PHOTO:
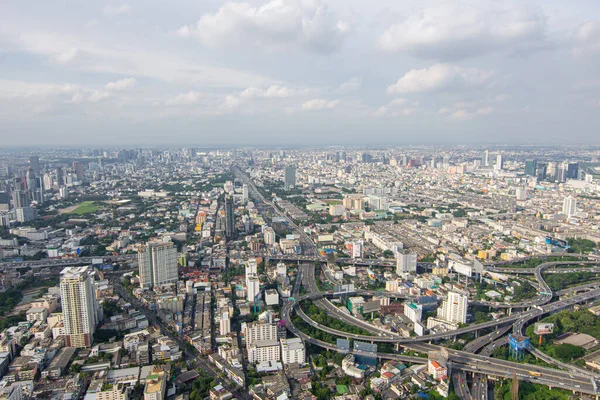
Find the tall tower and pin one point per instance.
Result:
(290, 177)
(80, 309)
(454, 307)
(485, 159)
(229, 217)
(157, 264)
(245, 192)
(569, 206)
(34, 163)
(406, 263)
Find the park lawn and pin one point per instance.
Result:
(85, 208)
(333, 202)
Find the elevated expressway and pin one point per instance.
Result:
(461, 360)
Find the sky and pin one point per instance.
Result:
(298, 72)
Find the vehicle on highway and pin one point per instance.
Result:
(533, 373)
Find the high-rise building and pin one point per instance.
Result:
(259, 331)
(499, 163)
(541, 171)
(225, 324)
(413, 311)
(485, 159)
(572, 170)
(34, 163)
(252, 287)
(530, 167)
(4, 201)
(569, 206)
(290, 177)
(156, 385)
(229, 217)
(292, 351)
(454, 308)
(79, 306)
(406, 263)
(245, 192)
(19, 194)
(157, 264)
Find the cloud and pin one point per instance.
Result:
(274, 91)
(587, 39)
(66, 56)
(439, 77)
(118, 9)
(276, 24)
(457, 32)
(353, 84)
(319, 104)
(121, 84)
(184, 99)
(464, 114)
(397, 107)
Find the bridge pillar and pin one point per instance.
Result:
(510, 311)
(476, 334)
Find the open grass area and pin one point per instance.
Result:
(85, 208)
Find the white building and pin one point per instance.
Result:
(256, 331)
(413, 311)
(252, 287)
(569, 206)
(406, 263)
(269, 236)
(158, 264)
(454, 308)
(225, 324)
(37, 314)
(79, 305)
(292, 351)
(271, 297)
(156, 386)
(264, 351)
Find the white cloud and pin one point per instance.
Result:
(319, 104)
(464, 114)
(397, 107)
(439, 77)
(276, 24)
(66, 56)
(353, 84)
(454, 32)
(118, 9)
(121, 84)
(274, 91)
(184, 99)
(587, 39)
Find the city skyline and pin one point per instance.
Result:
(298, 72)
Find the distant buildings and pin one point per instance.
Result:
(229, 217)
(157, 264)
(80, 309)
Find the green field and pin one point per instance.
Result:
(332, 201)
(85, 207)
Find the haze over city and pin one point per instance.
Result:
(298, 72)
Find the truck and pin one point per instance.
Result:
(533, 373)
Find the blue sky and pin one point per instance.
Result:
(179, 72)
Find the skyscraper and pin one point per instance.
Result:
(499, 162)
(245, 192)
(572, 170)
(158, 264)
(485, 159)
(454, 308)
(80, 309)
(569, 206)
(530, 167)
(229, 217)
(290, 177)
(34, 163)
(19, 195)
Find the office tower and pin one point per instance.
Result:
(454, 308)
(157, 264)
(34, 163)
(225, 324)
(572, 170)
(19, 195)
(59, 176)
(79, 306)
(229, 217)
(292, 351)
(499, 162)
(245, 192)
(569, 206)
(4, 201)
(259, 331)
(406, 263)
(485, 159)
(562, 173)
(530, 167)
(541, 171)
(25, 214)
(78, 169)
(551, 171)
(413, 311)
(290, 177)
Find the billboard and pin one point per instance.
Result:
(556, 242)
(543, 328)
(462, 269)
